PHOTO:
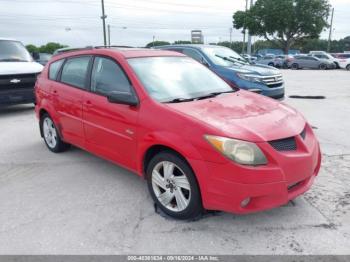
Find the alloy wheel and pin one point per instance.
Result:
(171, 186)
(50, 134)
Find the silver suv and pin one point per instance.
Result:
(306, 61)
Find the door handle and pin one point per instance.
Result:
(88, 104)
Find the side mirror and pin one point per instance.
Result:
(123, 98)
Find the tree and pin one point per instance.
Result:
(51, 47)
(32, 48)
(284, 21)
(182, 42)
(157, 43)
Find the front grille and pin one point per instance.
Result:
(273, 81)
(19, 81)
(286, 144)
(303, 133)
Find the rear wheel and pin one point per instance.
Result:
(173, 186)
(271, 64)
(295, 66)
(323, 66)
(51, 136)
(348, 67)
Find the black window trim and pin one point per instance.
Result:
(132, 89)
(58, 72)
(86, 86)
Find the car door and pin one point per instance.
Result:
(313, 62)
(68, 94)
(110, 128)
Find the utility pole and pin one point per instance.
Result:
(244, 30)
(109, 34)
(153, 39)
(330, 32)
(249, 46)
(231, 37)
(103, 17)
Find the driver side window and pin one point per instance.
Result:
(108, 78)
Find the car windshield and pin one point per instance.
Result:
(224, 56)
(13, 51)
(177, 79)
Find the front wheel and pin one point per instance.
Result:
(348, 67)
(323, 66)
(173, 186)
(295, 66)
(51, 135)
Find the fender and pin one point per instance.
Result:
(168, 139)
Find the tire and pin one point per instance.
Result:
(51, 136)
(348, 67)
(294, 66)
(271, 64)
(176, 191)
(322, 66)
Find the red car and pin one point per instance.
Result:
(199, 142)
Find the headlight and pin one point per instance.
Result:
(250, 78)
(241, 152)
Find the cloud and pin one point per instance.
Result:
(41, 21)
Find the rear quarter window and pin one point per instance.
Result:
(54, 69)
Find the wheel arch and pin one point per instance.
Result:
(155, 149)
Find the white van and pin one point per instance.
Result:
(18, 73)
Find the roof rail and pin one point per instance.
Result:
(71, 49)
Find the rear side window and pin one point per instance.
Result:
(108, 78)
(54, 69)
(75, 70)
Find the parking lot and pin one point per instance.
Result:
(76, 203)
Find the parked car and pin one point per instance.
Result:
(235, 69)
(199, 143)
(325, 56)
(341, 55)
(311, 62)
(344, 63)
(42, 58)
(18, 73)
(249, 58)
(268, 59)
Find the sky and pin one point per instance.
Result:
(133, 22)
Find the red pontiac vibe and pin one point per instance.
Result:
(198, 142)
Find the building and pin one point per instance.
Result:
(197, 37)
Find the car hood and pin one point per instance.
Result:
(13, 68)
(256, 69)
(246, 116)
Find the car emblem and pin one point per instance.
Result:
(15, 81)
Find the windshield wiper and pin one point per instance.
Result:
(179, 100)
(213, 94)
(231, 59)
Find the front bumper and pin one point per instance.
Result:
(288, 175)
(273, 92)
(17, 96)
